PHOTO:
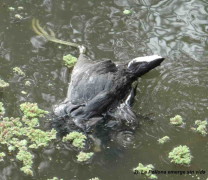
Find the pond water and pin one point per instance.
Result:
(176, 30)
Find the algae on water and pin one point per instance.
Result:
(3, 84)
(145, 170)
(21, 135)
(163, 140)
(77, 138)
(27, 83)
(2, 155)
(69, 60)
(19, 71)
(201, 127)
(83, 156)
(181, 155)
(2, 109)
(95, 178)
(177, 120)
(127, 11)
(31, 110)
(55, 178)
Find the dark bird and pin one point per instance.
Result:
(101, 89)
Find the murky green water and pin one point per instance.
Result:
(177, 30)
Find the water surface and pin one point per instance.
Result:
(176, 30)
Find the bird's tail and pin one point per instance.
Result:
(52, 37)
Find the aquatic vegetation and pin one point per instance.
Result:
(145, 170)
(31, 110)
(23, 92)
(40, 138)
(181, 155)
(69, 60)
(83, 156)
(2, 155)
(77, 138)
(163, 140)
(201, 127)
(95, 178)
(18, 16)
(177, 120)
(3, 84)
(2, 109)
(11, 8)
(55, 178)
(17, 69)
(21, 135)
(27, 83)
(27, 159)
(127, 11)
(20, 8)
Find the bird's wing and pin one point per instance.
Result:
(94, 80)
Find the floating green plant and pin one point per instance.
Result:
(2, 109)
(181, 155)
(69, 60)
(163, 140)
(3, 84)
(177, 120)
(20, 8)
(83, 156)
(23, 92)
(201, 127)
(27, 158)
(145, 170)
(2, 155)
(55, 178)
(77, 138)
(40, 138)
(11, 8)
(18, 70)
(31, 110)
(127, 11)
(21, 135)
(18, 16)
(27, 83)
(95, 178)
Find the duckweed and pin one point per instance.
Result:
(31, 110)
(201, 127)
(11, 8)
(146, 170)
(40, 138)
(27, 159)
(17, 69)
(21, 134)
(177, 120)
(23, 92)
(2, 109)
(55, 178)
(18, 16)
(3, 84)
(83, 156)
(163, 140)
(127, 11)
(2, 155)
(20, 8)
(77, 138)
(95, 178)
(27, 83)
(181, 155)
(69, 60)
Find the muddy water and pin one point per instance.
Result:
(176, 30)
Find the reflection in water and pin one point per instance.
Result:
(175, 29)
